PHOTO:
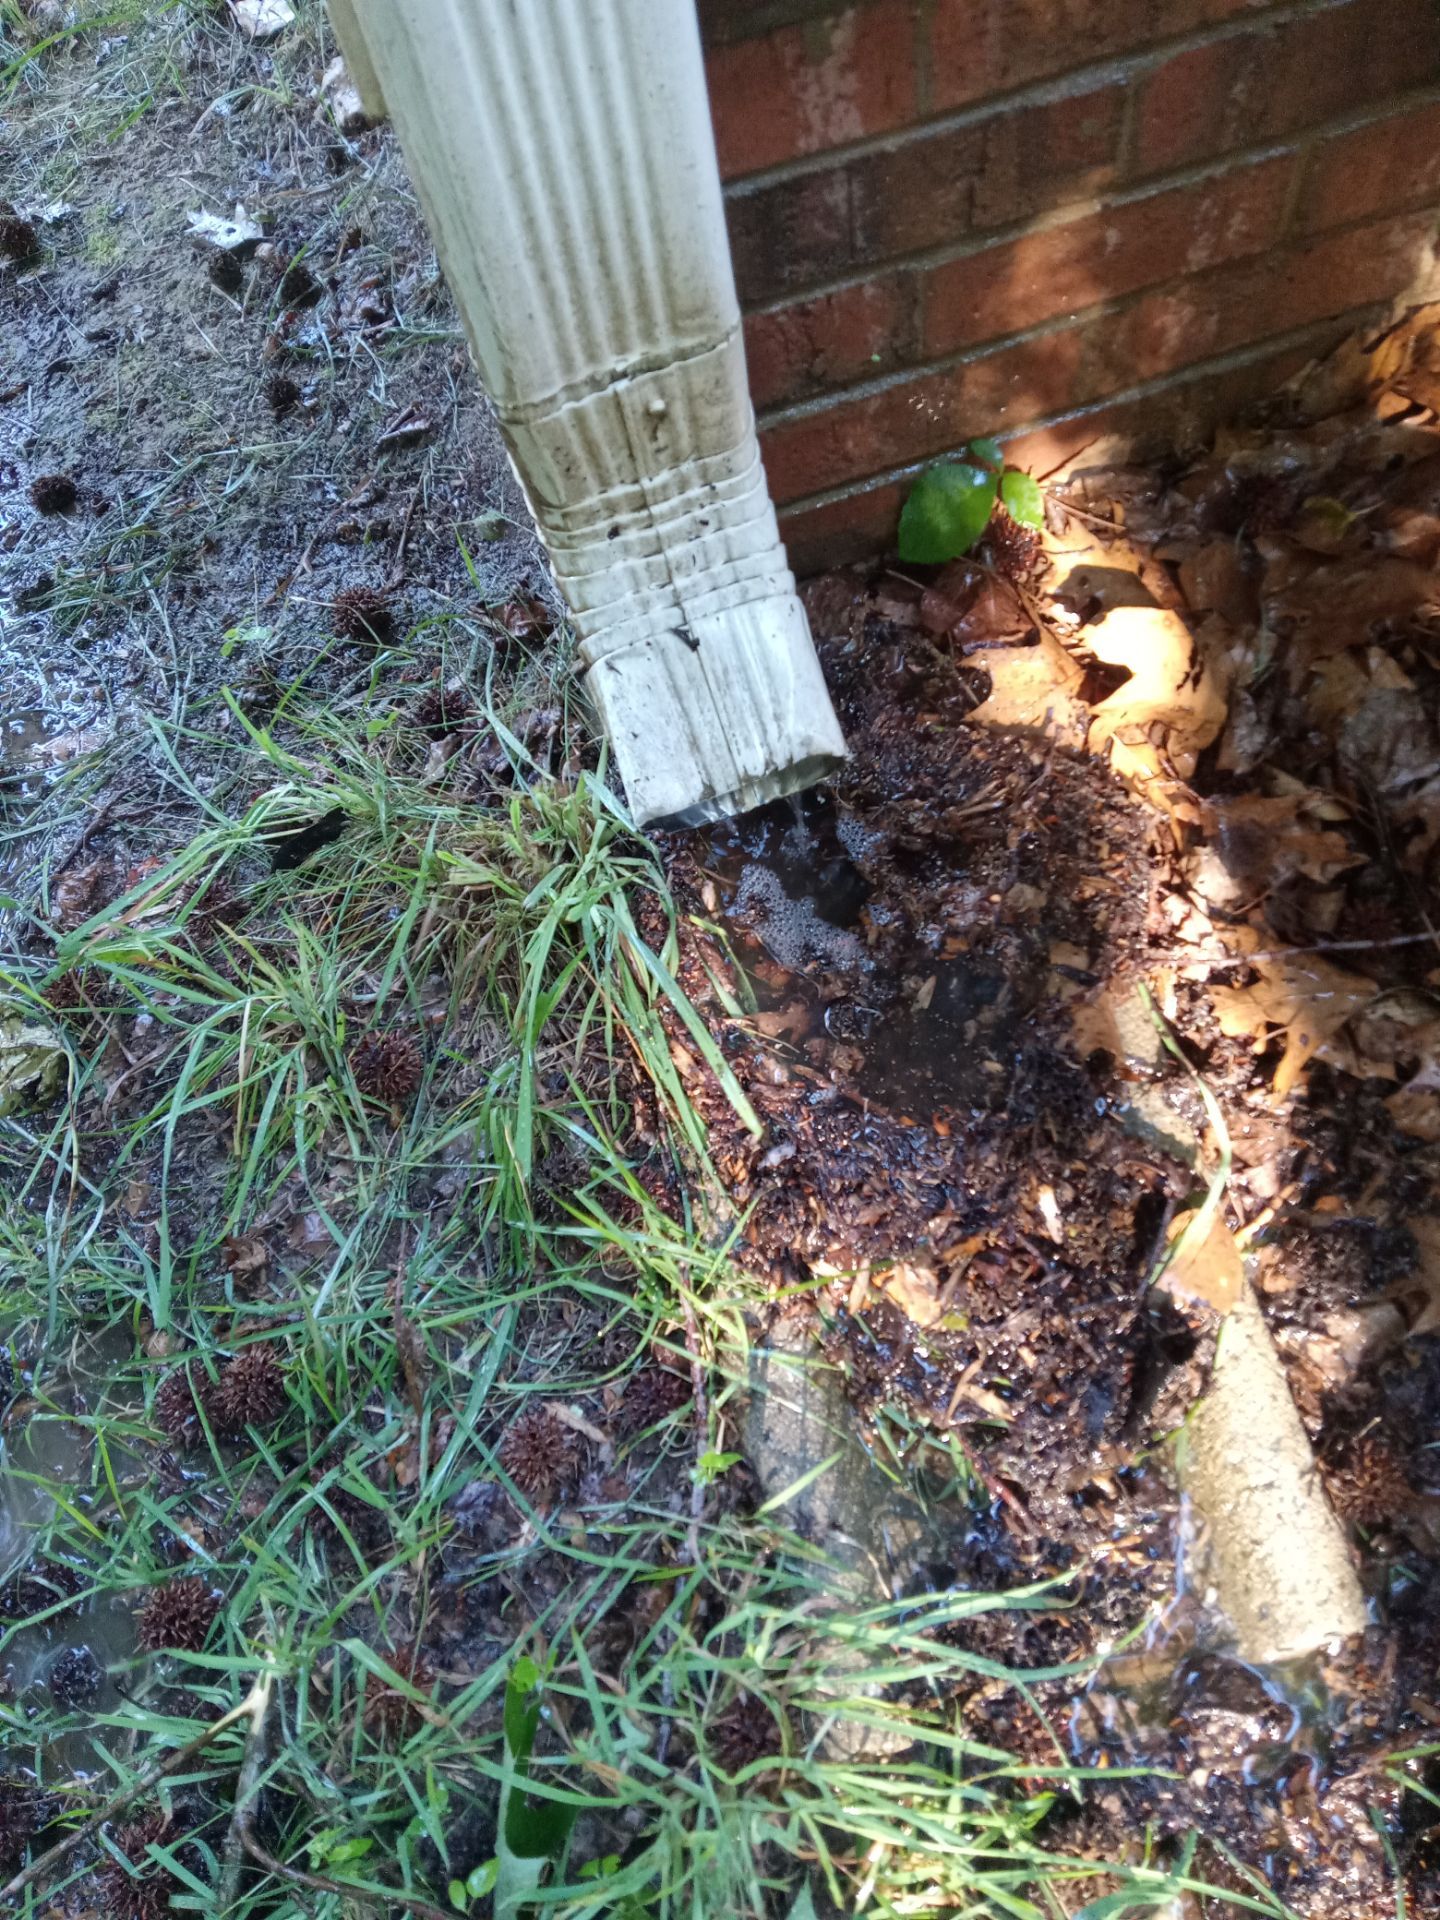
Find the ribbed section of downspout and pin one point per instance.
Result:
(563, 151)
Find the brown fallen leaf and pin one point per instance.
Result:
(1032, 690)
(916, 1291)
(1206, 1264)
(1261, 840)
(1171, 705)
(1308, 999)
(244, 1254)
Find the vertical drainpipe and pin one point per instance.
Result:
(563, 152)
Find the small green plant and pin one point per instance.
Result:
(951, 503)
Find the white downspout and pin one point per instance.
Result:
(563, 152)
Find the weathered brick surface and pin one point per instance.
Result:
(955, 216)
(922, 191)
(817, 84)
(832, 340)
(1391, 164)
(1100, 256)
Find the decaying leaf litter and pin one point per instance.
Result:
(1174, 775)
(358, 1278)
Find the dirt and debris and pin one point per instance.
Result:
(1194, 751)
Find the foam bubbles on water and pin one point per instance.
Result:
(792, 929)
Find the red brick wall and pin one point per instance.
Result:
(1057, 220)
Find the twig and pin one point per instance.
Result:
(234, 1853)
(1197, 955)
(396, 576)
(386, 1897)
(117, 1803)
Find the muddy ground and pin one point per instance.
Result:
(976, 1146)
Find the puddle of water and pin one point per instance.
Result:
(47, 1453)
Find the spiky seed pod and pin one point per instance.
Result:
(23, 1811)
(1367, 1485)
(282, 394)
(652, 1394)
(298, 285)
(141, 1891)
(177, 1617)
(389, 1713)
(742, 1733)
(387, 1066)
(18, 238)
(1011, 549)
(53, 492)
(76, 1679)
(251, 1392)
(37, 1588)
(363, 613)
(541, 1454)
(74, 992)
(177, 1408)
(226, 272)
(442, 710)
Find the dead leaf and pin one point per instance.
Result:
(1033, 690)
(1262, 840)
(1308, 1000)
(1206, 1265)
(262, 19)
(244, 1254)
(1170, 705)
(404, 429)
(916, 1291)
(81, 892)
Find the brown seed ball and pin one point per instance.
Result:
(23, 1811)
(282, 394)
(541, 1454)
(363, 614)
(53, 492)
(1013, 550)
(177, 1410)
(298, 286)
(76, 1678)
(387, 1066)
(652, 1394)
(251, 1392)
(744, 1732)
(442, 710)
(1367, 1485)
(177, 1617)
(390, 1714)
(18, 238)
(226, 272)
(141, 1891)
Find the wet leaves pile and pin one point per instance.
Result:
(1192, 749)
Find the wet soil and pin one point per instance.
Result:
(971, 1192)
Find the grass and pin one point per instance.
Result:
(424, 1270)
(216, 1180)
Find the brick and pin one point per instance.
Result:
(818, 84)
(932, 189)
(982, 47)
(789, 235)
(914, 419)
(854, 334)
(1240, 304)
(927, 189)
(1383, 168)
(1102, 256)
(842, 530)
(1278, 80)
